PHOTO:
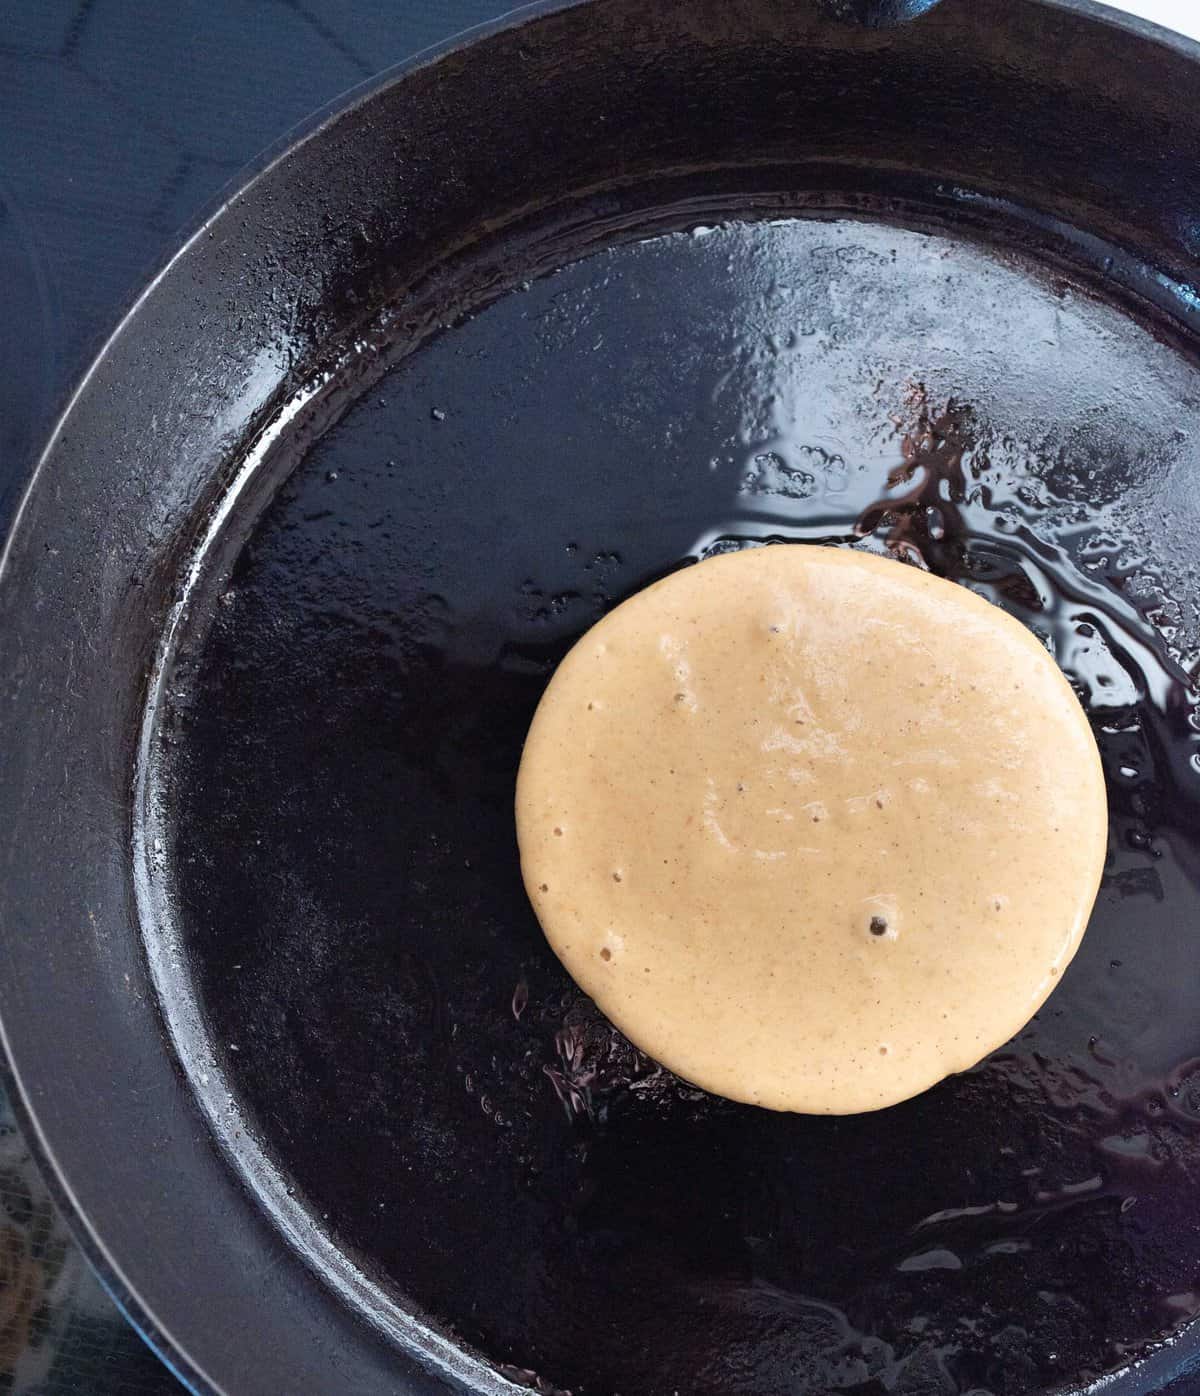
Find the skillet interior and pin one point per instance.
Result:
(331, 752)
(333, 816)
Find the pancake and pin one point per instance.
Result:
(813, 827)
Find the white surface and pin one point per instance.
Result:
(1183, 15)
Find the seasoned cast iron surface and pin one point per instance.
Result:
(335, 781)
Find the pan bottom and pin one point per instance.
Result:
(354, 978)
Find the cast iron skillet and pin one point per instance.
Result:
(530, 321)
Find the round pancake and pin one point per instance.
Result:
(813, 827)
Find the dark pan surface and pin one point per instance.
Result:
(309, 539)
(340, 752)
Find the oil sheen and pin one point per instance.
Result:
(338, 760)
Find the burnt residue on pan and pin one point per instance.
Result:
(336, 770)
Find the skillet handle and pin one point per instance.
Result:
(877, 14)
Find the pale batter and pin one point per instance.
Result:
(814, 828)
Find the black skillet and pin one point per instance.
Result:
(525, 324)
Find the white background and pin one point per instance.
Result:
(1183, 15)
